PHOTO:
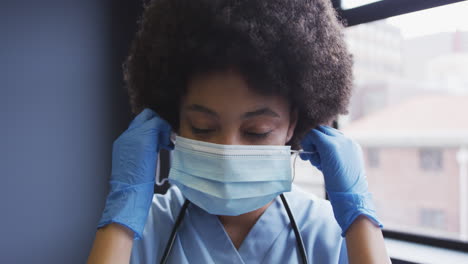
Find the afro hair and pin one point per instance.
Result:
(292, 48)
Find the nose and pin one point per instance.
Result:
(228, 138)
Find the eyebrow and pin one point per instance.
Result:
(262, 111)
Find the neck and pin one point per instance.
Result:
(239, 226)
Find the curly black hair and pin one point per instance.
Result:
(292, 48)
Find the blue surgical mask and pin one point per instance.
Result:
(230, 179)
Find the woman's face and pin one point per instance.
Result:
(220, 108)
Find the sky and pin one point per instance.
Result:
(447, 18)
(348, 4)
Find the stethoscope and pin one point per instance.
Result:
(181, 215)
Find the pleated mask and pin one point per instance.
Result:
(230, 179)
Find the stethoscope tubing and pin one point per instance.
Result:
(170, 243)
(300, 242)
(181, 215)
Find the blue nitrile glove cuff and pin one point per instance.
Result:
(348, 206)
(128, 205)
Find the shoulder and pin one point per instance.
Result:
(164, 209)
(309, 205)
(168, 204)
(320, 231)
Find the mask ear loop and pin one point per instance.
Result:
(296, 153)
(159, 182)
(294, 166)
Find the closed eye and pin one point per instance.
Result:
(196, 130)
(257, 135)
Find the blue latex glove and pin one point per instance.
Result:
(134, 158)
(341, 161)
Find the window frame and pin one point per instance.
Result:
(384, 9)
(377, 11)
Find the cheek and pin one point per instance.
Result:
(184, 129)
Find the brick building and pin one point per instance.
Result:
(416, 156)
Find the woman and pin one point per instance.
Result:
(239, 82)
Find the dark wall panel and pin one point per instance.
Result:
(62, 104)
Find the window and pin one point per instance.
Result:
(433, 218)
(430, 159)
(373, 159)
(348, 4)
(408, 112)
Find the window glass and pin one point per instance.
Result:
(433, 218)
(348, 4)
(307, 177)
(409, 112)
(372, 155)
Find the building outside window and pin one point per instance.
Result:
(373, 159)
(433, 218)
(409, 114)
(411, 105)
(431, 159)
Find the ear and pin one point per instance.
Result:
(292, 124)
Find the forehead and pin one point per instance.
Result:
(228, 93)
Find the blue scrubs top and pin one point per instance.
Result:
(202, 239)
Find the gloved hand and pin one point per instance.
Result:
(341, 161)
(134, 158)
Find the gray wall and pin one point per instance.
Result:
(62, 104)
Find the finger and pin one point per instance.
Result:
(314, 140)
(165, 140)
(156, 123)
(142, 117)
(313, 158)
(162, 131)
(329, 130)
(304, 156)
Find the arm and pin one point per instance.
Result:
(113, 244)
(134, 157)
(365, 243)
(341, 161)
